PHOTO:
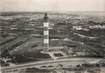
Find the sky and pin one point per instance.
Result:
(52, 5)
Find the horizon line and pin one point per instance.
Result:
(55, 11)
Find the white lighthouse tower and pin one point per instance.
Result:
(46, 33)
(52, 51)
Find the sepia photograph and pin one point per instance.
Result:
(52, 36)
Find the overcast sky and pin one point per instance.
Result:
(52, 5)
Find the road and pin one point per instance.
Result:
(46, 63)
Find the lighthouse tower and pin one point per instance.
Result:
(52, 51)
(46, 33)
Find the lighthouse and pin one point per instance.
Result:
(46, 32)
(54, 52)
